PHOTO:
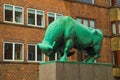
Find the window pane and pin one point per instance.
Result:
(112, 3)
(58, 15)
(91, 1)
(79, 20)
(31, 52)
(8, 13)
(85, 22)
(85, 0)
(8, 49)
(40, 12)
(18, 14)
(39, 54)
(51, 17)
(8, 7)
(58, 56)
(40, 18)
(113, 28)
(92, 23)
(31, 17)
(51, 14)
(118, 2)
(52, 58)
(116, 56)
(119, 26)
(18, 51)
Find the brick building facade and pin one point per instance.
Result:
(23, 24)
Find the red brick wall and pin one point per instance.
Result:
(101, 15)
(27, 34)
(105, 3)
(57, 6)
(106, 54)
(21, 34)
(19, 71)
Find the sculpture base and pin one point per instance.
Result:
(56, 70)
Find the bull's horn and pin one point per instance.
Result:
(44, 46)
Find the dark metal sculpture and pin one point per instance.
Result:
(65, 33)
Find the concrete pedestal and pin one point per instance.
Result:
(56, 70)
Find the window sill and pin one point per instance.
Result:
(13, 60)
(35, 26)
(115, 35)
(14, 23)
(35, 61)
(18, 62)
(115, 6)
(22, 25)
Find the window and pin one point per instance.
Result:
(53, 16)
(35, 17)
(92, 23)
(13, 51)
(13, 14)
(56, 57)
(87, 22)
(34, 53)
(87, 1)
(115, 2)
(115, 27)
(116, 57)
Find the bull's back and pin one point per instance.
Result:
(83, 35)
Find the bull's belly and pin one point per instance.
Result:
(82, 45)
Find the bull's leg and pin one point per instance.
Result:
(68, 47)
(97, 54)
(90, 53)
(86, 60)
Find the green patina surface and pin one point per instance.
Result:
(74, 62)
(65, 33)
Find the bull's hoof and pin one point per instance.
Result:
(86, 59)
(63, 59)
(90, 61)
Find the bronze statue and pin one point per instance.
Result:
(65, 33)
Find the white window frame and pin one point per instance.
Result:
(114, 32)
(86, 2)
(55, 16)
(110, 3)
(36, 18)
(13, 53)
(55, 57)
(81, 20)
(93, 1)
(14, 14)
(43, 55)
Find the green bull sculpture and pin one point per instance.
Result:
(65, 33)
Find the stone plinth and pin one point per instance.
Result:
(56, 70)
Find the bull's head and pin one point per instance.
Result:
(46, 48)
